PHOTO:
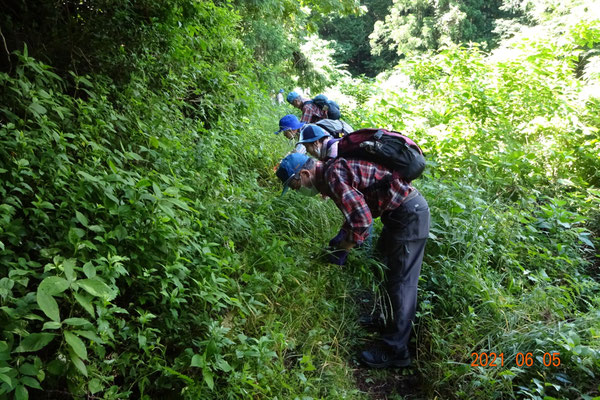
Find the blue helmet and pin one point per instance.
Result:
(312, 133)
(289, 121)
(289, 167)
(292, 96)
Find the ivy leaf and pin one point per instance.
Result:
(76, 344)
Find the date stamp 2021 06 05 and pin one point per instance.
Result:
(490, 359)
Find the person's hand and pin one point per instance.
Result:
(338, 257)
(335, 242)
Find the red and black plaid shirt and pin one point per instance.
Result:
(311, 113)
(343, 180)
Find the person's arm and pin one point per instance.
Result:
(351, 203)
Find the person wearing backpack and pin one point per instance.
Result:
(290, 126)
(335, 127)
(363, 190)
(310, 112)
(318, 143)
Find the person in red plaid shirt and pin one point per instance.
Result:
(310, 112)
(364, 190)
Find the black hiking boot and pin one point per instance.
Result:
(383, 356)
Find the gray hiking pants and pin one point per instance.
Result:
(402, 244)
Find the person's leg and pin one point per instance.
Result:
(408, 229)
(406, 232)
(402, 277)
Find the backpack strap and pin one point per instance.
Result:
(331, 142)
(385, 182)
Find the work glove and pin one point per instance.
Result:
(338, 256)
(335, 242)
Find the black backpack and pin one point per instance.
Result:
(391, 149)
(330, 106)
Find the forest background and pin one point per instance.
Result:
(145, 251)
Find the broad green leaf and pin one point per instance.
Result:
(6, 379)
(154, 141)
(88, 177)
(76, 344)
(51, 325)
(81, 218)
(77, 321)
(89, 269)
(78, 364)
(28, 369)
(95, 385)
(68, 266)
(34, 342)
(85, 81)
(21, 393)
(37, 108)
(75, 234)
(31, 382)
(143, 183)
(96, 287)
(112, 166)
(198, 361)
(53, 285)
(48, 305)
(85, 302)
(89, 335)
(208, 378)
(586, 241)
(96, 228)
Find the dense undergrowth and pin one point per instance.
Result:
(145, 251)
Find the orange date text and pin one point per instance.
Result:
(485, 359)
